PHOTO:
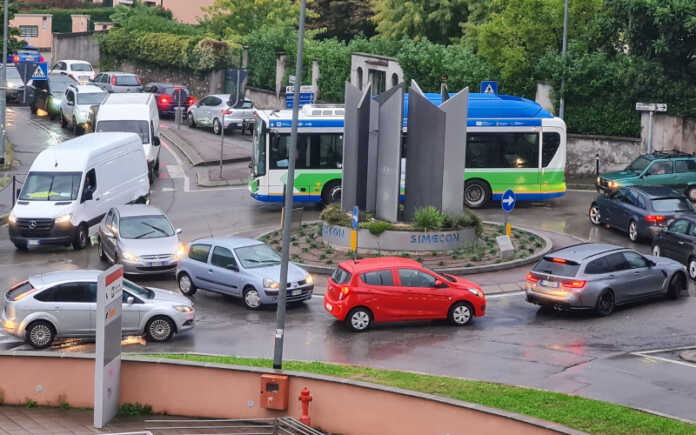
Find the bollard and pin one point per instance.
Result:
(597, 164)
(305, 398)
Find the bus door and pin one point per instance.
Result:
(552, 162)
(278, 164)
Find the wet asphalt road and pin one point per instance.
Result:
(515, 343)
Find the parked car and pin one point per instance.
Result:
(48, 94)
(677, 241)
(638, 211)
(79, 70)
(389, 289)
(245, 268)
(78, 105)
(169, 97)
(63, 304)
(71, 185)
(115, 82)
(661, 168)
(136, 113)
(25, 54)
(209, 111)
(141, 238)
(595, 276)
(14, 84)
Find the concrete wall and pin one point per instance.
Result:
(83, 46)
(216, 391)
(614, 153)
(44, 23)
(264, 99)
(669, 132)
(362, 63)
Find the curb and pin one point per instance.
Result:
(203, 180)
(326, 270)
(688, 355)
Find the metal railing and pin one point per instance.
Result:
(253, 426)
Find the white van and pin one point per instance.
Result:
(70, 186)
(136, 113)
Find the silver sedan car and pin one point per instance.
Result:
(210, 111)
(63, 304)
(599, 277)
(141, 238)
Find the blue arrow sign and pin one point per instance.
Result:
(507, 201)
(356, 213)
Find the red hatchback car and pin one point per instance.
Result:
(390, 289)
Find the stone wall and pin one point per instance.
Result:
(265, 99)
(614, 153)
(83, 46)
(199, 84)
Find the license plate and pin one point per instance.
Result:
(155, 263)
(295, 292)
(32, 243)
(550, 284)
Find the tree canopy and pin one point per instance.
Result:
(435, 20)
(234, 19)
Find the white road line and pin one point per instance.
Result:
(673, 349)
(504, 295)
(168, 189)
(187, 182)
(659, 358)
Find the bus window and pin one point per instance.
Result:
(502, 150)
(549, 145)
(259, 144)
(314, 151)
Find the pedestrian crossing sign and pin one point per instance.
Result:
(40, 71)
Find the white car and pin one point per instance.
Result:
(79, 70)
(76, 107)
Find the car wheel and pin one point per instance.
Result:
(692, 268)
(160, 329)
(63, 122)
(331, 193)
(691, 193)
(186, 285)
(100, 250)
(605, 303)
(477, 193)
(251, 298)
(656, 252)
(633, 231)
(191, 121)
(460, 314)
(216, 127)
(51, 115)
(595, 217)
(81, 237)
(676, 285)
(40, 334)
(359, 319)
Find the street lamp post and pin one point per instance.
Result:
(564, 50)
(287, 217)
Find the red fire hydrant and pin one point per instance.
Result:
(305, 398)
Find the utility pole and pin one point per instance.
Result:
(290, 187)
(564, 50)
(3, 92)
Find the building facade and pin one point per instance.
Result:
(36, 29)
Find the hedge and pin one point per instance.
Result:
(62, 21)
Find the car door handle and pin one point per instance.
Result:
(680, 242)
(210, 270)
(637, 272)
(612, 276)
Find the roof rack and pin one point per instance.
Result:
(672, 153)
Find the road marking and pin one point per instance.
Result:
(659, 358)
(673, 349)
(168, 189)
(175, 171)
(504, 295)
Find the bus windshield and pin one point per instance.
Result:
(314, 151)
(259, 149)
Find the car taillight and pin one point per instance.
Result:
(191, 101)
(15, 58)
(226, 112)
(655, 219)
(41, 59)
(344, 293)
(532, 278)
(140, 82)
(164, 100)
(113, 81)
(574, 284)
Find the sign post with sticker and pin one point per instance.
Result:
(107, 364)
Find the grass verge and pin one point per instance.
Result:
(579, 413)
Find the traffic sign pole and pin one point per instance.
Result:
(507, 203)
(354, 233)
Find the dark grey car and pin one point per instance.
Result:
(598, 277)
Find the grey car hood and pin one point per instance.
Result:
(157, 246)
(665, 262)
(295, 273)
(162, 295)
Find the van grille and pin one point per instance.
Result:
(29, 227)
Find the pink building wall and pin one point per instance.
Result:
(44, 25)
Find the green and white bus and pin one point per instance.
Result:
(512, 143)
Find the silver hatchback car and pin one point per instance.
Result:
(599, 277)
(63, 304)
(141, 238)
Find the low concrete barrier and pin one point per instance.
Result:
(198, 389)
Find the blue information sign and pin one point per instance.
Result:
(356, 213)
(508, 200)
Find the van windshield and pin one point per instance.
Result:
(51, 186)
(126, 126)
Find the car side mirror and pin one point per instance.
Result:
(440, 284)
(179, 231)
(651, 263)
(130, 300)
(232, 267)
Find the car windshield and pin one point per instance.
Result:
(51, 186)
(140, 127)
(257, 256)
(671, 204)
(126, 81)
(638, 165)
(91, 98)
(80, 67)
(136, 290)
(145, 227)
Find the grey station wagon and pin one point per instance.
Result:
(599, 276)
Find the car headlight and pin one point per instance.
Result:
(127, 255)
(180, 251)
(12, 218)
(309, 279)
(55, 101)
(599, 179)
(63, 219)
(11, 85)
(183, 308)
(270, 283)
(614, 184)
(474, 291)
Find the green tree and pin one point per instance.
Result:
(234, 19)
(436, 20)
(343, 19)
(14, 42)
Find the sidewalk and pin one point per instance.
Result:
(202, 148)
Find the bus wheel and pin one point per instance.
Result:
(477, 193)
(331, 193)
